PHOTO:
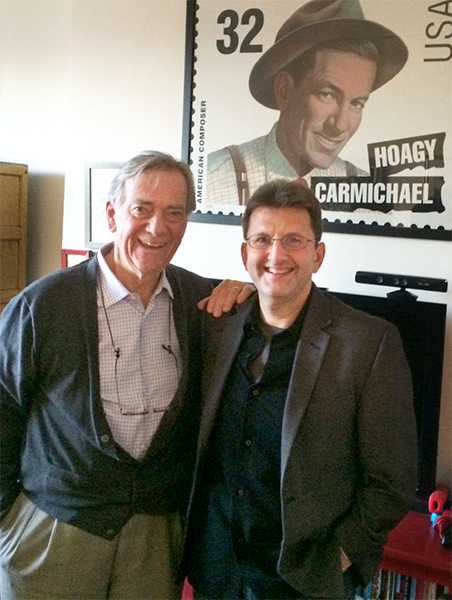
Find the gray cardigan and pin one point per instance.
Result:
(55, 442)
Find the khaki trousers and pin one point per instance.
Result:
(44, 559)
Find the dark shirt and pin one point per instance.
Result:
(239, 513)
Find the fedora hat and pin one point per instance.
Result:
(320, 21)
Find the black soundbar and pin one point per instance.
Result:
(430, 284)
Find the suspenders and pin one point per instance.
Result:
(241, 175)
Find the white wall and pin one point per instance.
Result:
(99, 80)
(84, 81)
(34, 55)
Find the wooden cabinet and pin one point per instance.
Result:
(13, 229)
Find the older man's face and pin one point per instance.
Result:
(149, 225)
(323, 111)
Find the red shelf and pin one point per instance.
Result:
(414, 549)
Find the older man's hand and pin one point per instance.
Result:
(226, 295)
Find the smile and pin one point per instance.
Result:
(278, 270)
(152, 246)
(328, 142)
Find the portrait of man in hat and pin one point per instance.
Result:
(326, 60)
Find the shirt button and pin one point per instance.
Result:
(110, 532)
(105, 438)
(241, 492)
(255, 392)
(248, 443)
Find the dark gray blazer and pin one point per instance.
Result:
(348, 456)
(55, 442)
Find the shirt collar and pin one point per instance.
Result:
(277, 163)
(253, 319)
(279, 166)
(114, 290)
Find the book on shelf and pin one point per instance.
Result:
(387, 585)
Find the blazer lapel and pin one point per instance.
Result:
(308, 360)
(223, 340)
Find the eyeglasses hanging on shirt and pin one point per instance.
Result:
(167, 347)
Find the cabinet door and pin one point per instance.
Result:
(13, 229)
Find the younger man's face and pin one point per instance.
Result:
(280, 275)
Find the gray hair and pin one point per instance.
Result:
(151, 160)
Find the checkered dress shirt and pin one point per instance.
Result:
(264, 162)
(147, 375)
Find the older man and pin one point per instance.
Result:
(99, 369)
(307, 449)
(326, 61)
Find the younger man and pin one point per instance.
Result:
(307, 450)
